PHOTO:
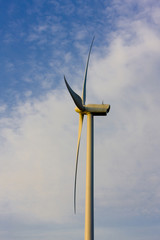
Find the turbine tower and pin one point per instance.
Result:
(90, 110)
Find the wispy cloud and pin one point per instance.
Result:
(128, 77)
(32, 136)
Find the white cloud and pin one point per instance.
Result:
(36, 176)
(127, 77)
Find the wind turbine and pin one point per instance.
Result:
(90, 110)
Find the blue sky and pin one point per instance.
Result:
(40, 42)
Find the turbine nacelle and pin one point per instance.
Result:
(95, 109)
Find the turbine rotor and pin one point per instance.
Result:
(82, 109)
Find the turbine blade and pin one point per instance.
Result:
(85, 77)
(76, 98)
(78, 145)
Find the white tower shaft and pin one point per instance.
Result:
(89, 207)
